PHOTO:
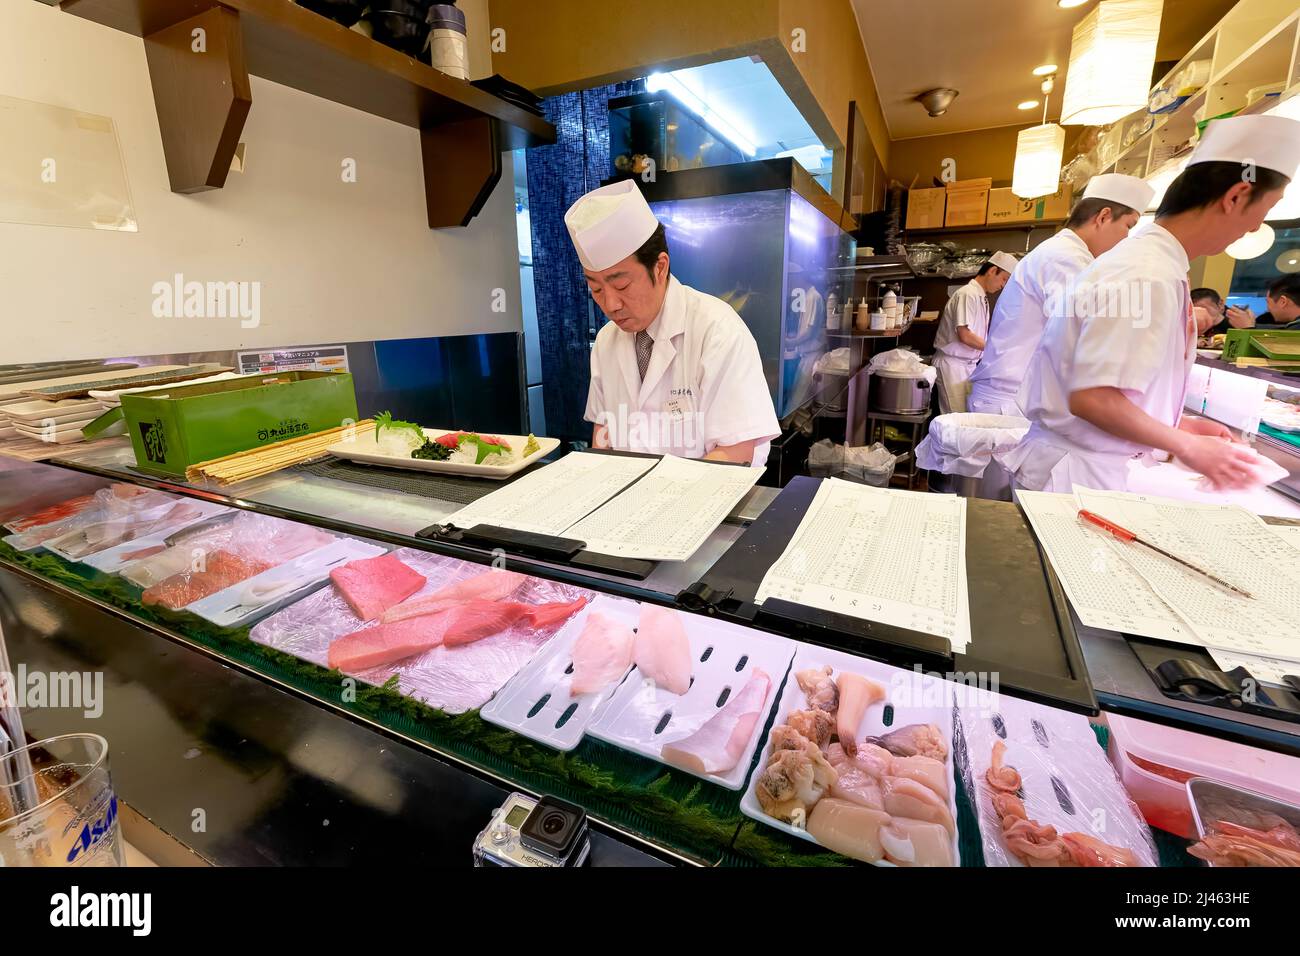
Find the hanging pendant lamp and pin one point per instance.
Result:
(1112, 56)
(1039, 150)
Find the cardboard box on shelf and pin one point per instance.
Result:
(1006, 206)
(960, 185)
(967, 207)
(925, 208)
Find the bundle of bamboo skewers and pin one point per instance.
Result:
(256, 462)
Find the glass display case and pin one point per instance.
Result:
(655, 126)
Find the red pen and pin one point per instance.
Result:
(1125, 535)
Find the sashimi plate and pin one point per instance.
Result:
(913, 697)
(450, 679)
(536, 702)
(364, 450)
(643, 717)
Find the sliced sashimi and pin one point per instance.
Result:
(372, 585)
(601, 654)
(662, 652)
(718, 745)
(914, 843)
(876, 761)
(856, 785)
(491, 585)
(848, 828)
(220, 571)
(925, 770)
(542, 616)
(383, 644)
(856, 694)
(475, 620)
(907, 798)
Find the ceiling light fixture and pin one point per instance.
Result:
(1253, 244)
(1027, 105)
(1047, 69)
(1039, 150)
(1112, 54)
(937, 101)
(1070, 4)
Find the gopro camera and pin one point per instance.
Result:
(528, 832)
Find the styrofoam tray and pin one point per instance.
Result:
(77, 417)
(35, 411)
(900, 686)
(545, 680)
(302, 575)
(724, 655)
(1067, 781)
(64, 434)
(113, 559)
(356, 450)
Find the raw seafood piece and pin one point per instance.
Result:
(856, 694)
(856, 785)
(1089, 851)
(372, 585)
(602, 654)
(914, 843)
(819, 687)
(542, 616)
(382, 644)
(221, 570)
(924, 770)
(792, 782)
(57, 512)
(1034, 844)
(785, 737)
(923, 739)
(102, 535)
(718, 745)
(816, 725)
(876, 761)
(1008, 805)
(999, 776)
(475, 620)
(1232, 845)
(1281, 834)
(848, 828)
(490, 585)
(907, 798)
(662, 652)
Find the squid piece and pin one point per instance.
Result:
(1086, 850)
(856, 695)
(999, 776)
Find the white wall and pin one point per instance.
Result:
(336, 261)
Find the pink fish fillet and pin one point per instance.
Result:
(662, 651)
(372, 585)
(491, 585)
(717, 746)
(455, 626)
(601, 654)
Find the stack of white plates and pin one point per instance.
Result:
(58, 422)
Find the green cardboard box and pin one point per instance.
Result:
(182, 426)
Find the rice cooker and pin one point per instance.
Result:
(898, 392)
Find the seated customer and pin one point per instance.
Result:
(1215, 319)
(1283, 303)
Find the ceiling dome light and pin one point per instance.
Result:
(1289, 261)
(1112, 55)
(1253, 244)
(1047, 69)
(1070, 4)
(937, 101)
(1027, 105)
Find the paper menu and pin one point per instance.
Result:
(1103, 588)
(669, 513)
(552, 499)
(1268, 669)
(1227, 540)
(896, 557)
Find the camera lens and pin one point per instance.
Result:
(553, 823)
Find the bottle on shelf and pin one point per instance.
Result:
(889, 306)
(863, 321)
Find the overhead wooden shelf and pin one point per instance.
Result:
(988, 227)
(464, 129)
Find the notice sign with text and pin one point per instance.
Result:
(321, 358)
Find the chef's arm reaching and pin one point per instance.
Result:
(1199, 443)
(742, 452)
(969, 338)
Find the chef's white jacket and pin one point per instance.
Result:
(1127, 325)
(1039, 284)
(955, 360)
(704, 386)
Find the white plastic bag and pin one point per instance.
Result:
(963, 443)
(903, 361)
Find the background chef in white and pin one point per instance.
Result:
(674, 371)
(959, 343)
(1111, 205)
(1108, 380)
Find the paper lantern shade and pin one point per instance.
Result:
(1112, 56)
(1038, 161)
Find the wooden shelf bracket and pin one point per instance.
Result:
(462, 165)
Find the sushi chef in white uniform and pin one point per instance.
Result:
(1109, 377)
(1111, 206)
(674, 371)
(959, 343)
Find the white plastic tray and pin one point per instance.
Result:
(64, 434)
(545, 680)
(632, 717)
(356, 450)
(902, 688)
(34, 411)
(226, 608)
(113, 559)
(205, 510)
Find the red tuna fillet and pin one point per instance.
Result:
(372, 585)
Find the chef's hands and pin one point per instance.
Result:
(1227, 465)
(1203, 426)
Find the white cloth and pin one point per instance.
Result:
(1037, 285)
(1270, 142)
(966, 444)
(1125, 190)
(1128, 325)
(954, 383)
(609, 224)
(704, 387)
(968, 307)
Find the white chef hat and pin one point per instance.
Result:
(1004, 261)
(1125, 190)
(609, 224)
(1269, 142)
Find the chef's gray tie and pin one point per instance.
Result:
(644, 345)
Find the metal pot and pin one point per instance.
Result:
(898, 393)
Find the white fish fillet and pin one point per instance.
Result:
(602, 654)
(717, 746)
(662, 652)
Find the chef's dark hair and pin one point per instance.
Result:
(649, 252)
(1086, 210)
(988, 267)
(1201, 184)
(1288, 286)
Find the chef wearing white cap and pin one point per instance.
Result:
(1109, 377)
(959, 343)
(675, 371)
(1111, 205)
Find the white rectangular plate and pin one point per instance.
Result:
(113, 559)
(35, 410)
(900, 685)
(631, 718)
(356, 450)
